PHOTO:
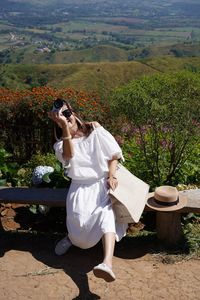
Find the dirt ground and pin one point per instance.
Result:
(30, 269)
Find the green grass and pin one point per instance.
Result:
(188, 248)
(169, 64)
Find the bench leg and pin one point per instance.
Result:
(169, 230)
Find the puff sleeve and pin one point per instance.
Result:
(108, 144)
(58, 148)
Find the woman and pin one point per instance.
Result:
(91, 154)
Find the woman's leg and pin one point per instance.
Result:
(108, 240)
(104, 270)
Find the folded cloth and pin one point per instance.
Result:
(105, 272)
(129, 198)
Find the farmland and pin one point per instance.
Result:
(31, 32)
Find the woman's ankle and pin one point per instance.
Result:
(108, 263)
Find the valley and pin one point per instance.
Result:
(96, 30)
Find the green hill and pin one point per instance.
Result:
(100, 53)
(101, 77)
(95, 54)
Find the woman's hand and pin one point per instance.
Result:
(112, 182)
(58, 118)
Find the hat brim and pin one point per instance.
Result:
(156, 206)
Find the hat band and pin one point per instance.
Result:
(167, 203)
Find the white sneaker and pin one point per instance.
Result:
(105, 272)
(63, 246)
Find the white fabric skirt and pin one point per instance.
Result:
(90, 214)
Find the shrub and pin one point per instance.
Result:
(39, 159)
(161, 122)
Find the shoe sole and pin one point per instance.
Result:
(104, 275)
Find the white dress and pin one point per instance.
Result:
(89, 210)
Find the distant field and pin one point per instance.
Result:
(85, 34)
(99, 30)
(68, 31)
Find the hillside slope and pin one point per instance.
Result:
(101, 77)
(87, 76)
(99, 53)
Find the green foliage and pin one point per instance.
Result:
(190, 168)
(162, 112)
(40, 159)
(30, 130)
(57, 179)
(192, 234)
(8, 169)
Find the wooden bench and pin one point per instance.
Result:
(168, 224)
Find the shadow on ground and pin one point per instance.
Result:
(38, 235)
(77, 263)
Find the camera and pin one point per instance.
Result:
(58, 104)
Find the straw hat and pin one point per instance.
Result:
(167, 198)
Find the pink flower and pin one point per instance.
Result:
(163, 144)
(119, 139)
(138, 141)
(126, 128)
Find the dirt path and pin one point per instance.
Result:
(30, 269)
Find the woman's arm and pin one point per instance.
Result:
(68, 150)
(112, 180)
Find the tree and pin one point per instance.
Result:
(163, 117)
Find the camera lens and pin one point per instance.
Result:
(67, 113)
(58, 103)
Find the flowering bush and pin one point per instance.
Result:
(25, 127)
(39, 100)
(44, 170)
(39, 172)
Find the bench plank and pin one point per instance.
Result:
(57, 197)
(193, 204)
(45, 196)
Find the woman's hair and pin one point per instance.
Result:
(85, 127)
(57, 132)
